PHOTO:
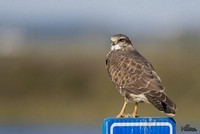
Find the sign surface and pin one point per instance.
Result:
(146, 125)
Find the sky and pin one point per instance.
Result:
(129, 16)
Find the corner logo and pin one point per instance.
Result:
(187, 127)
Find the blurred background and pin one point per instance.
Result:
(52, 60)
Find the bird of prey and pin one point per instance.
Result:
(135, 78)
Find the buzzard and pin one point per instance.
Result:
(135, 78)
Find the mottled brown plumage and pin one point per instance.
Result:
(135, 77)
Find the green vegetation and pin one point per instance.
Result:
(66, 83)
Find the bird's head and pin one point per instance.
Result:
(120, 41)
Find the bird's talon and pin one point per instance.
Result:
(135, 116)
(122, 116)
(129, 115)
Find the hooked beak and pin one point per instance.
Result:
(113, 41)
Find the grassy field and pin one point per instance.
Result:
(70, 83)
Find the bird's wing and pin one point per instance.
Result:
(133, 73)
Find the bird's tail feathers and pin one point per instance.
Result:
(161, 102)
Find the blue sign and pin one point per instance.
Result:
(146, 125)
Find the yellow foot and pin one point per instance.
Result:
(134, 115)
(121, 115)
(122, 112)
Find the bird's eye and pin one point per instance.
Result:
(121, 40)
